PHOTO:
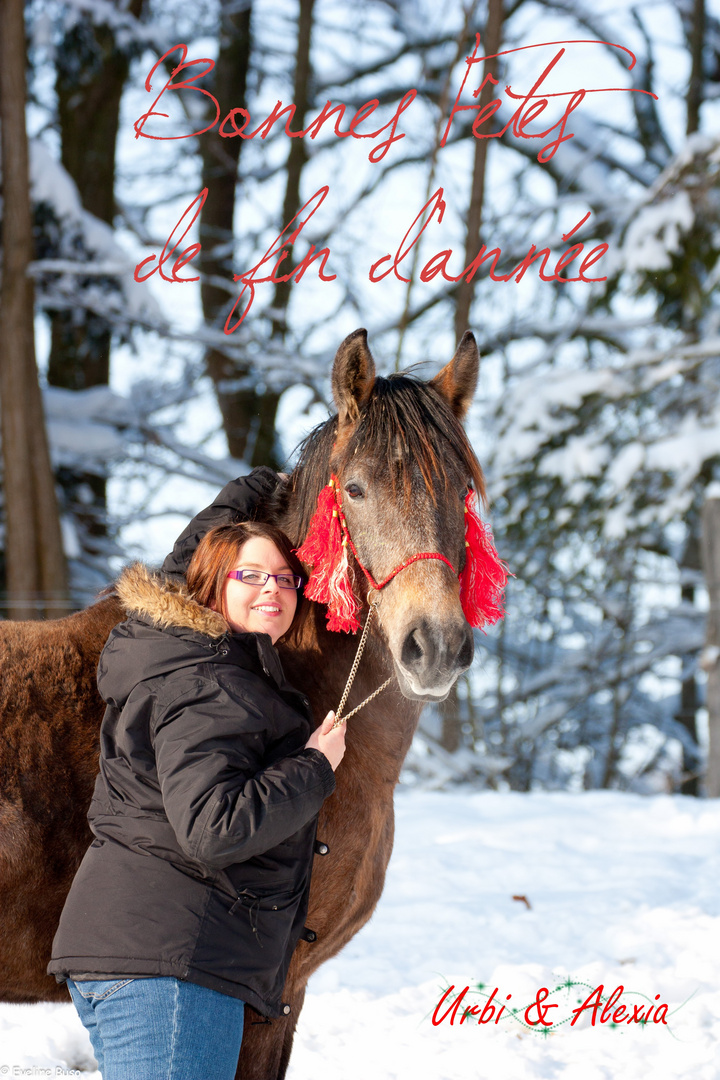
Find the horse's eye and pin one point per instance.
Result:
(354, 491)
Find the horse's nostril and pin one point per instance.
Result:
(467, 650)
(412, 651)
(436, 653)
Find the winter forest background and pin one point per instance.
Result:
(598, 415)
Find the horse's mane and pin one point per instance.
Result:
(405, 425)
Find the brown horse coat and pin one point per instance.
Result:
(404, 463)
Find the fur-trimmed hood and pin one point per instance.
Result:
(167, 631)
(156, 598)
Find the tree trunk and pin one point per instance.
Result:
(691, 558)
(220, 161)
(710, 551)
(687, 714)
(451, 733)
(36, 574)
(91, 72)
(696, 40)
(466, 289)
(297, 155)
(248, 412)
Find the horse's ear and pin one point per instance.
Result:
(353, 376)
(458, 379)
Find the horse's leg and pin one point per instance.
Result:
(30, 906)
(265, 1051)
(261, 1047)
(297, 1001)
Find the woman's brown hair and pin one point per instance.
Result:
(216, 555)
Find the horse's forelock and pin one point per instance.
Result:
(406, 423)
(403, 413)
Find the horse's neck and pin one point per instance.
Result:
(321, 660)
(319, 664)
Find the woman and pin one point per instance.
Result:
(192, 896)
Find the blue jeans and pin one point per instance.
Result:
(160, 1028)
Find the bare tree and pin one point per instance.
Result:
(220, 170)
(491, 46)
(711, 656)
(248, 411)
(36, 575)
(696, 39)
(91, 70)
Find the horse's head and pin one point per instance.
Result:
(404, 465)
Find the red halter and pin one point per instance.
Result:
(325, 549)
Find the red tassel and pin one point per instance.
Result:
(483, 579)
(324, 549)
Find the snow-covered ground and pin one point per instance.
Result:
(620, 890)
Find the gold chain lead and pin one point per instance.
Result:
(353, 673)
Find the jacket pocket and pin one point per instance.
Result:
(270, 913)
(266, 898)
(260, 880)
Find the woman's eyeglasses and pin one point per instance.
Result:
(259, 577)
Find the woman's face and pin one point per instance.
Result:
(260, 609)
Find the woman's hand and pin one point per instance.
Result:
(328, 742)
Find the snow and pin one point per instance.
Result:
(655, 233)
(86, 426)
(529, 411)
(685, 451)
(622, 891)
(128, 29)
(538, 410)
(50, 183)
(581, 456)
(98, 403)
(709, 657)
(626, 465)
(70, 541)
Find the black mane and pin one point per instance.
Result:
(404, 426)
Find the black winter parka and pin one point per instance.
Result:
(205, 807)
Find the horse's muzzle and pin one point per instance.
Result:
(432, 656)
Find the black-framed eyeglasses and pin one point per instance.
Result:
(260, 578)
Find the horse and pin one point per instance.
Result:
(403, 465)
